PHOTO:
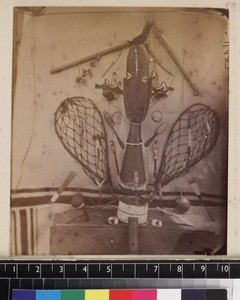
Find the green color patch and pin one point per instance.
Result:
(73, 295)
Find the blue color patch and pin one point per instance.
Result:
(23, 295)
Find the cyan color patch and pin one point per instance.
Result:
(48, 295)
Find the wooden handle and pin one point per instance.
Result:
(115, 155)
(90, 57)
(157, 132)
(149, 141)
(66, 182)
(133, 235)
(120, 142)
(85, 214)
(155, 169)
(110, 123)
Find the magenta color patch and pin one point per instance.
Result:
(145, 294)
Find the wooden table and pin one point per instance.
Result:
(186, 234)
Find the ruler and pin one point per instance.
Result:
(43, 274)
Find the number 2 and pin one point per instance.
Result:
(37, 270)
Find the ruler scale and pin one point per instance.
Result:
(119, 269)
(58, 275)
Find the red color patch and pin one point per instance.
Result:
(121, 295)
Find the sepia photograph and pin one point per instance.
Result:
(119, 142)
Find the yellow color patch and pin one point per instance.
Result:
(96, 294)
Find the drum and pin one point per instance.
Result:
(137, 88)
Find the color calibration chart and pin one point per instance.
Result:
(132, 294)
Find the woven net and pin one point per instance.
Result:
(191, 138)
(80, 128)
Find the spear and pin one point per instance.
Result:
(162, 39)
(141, 38)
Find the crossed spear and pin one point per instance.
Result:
(140, 39)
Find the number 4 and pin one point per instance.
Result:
(85, 269)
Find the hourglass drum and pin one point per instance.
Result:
(136, 92)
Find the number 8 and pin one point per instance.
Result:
(179, 269)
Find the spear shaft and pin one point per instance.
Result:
(141, 38)
(91, 57)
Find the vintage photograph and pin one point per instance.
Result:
(119, 131)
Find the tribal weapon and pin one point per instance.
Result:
(162, 39)
(155, 150)
(157, 61)
(65, 183)
(113, 148)
(111, 124)
(141, 38)
(112, 63)
(193, 183)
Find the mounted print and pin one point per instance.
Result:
(119, 131)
